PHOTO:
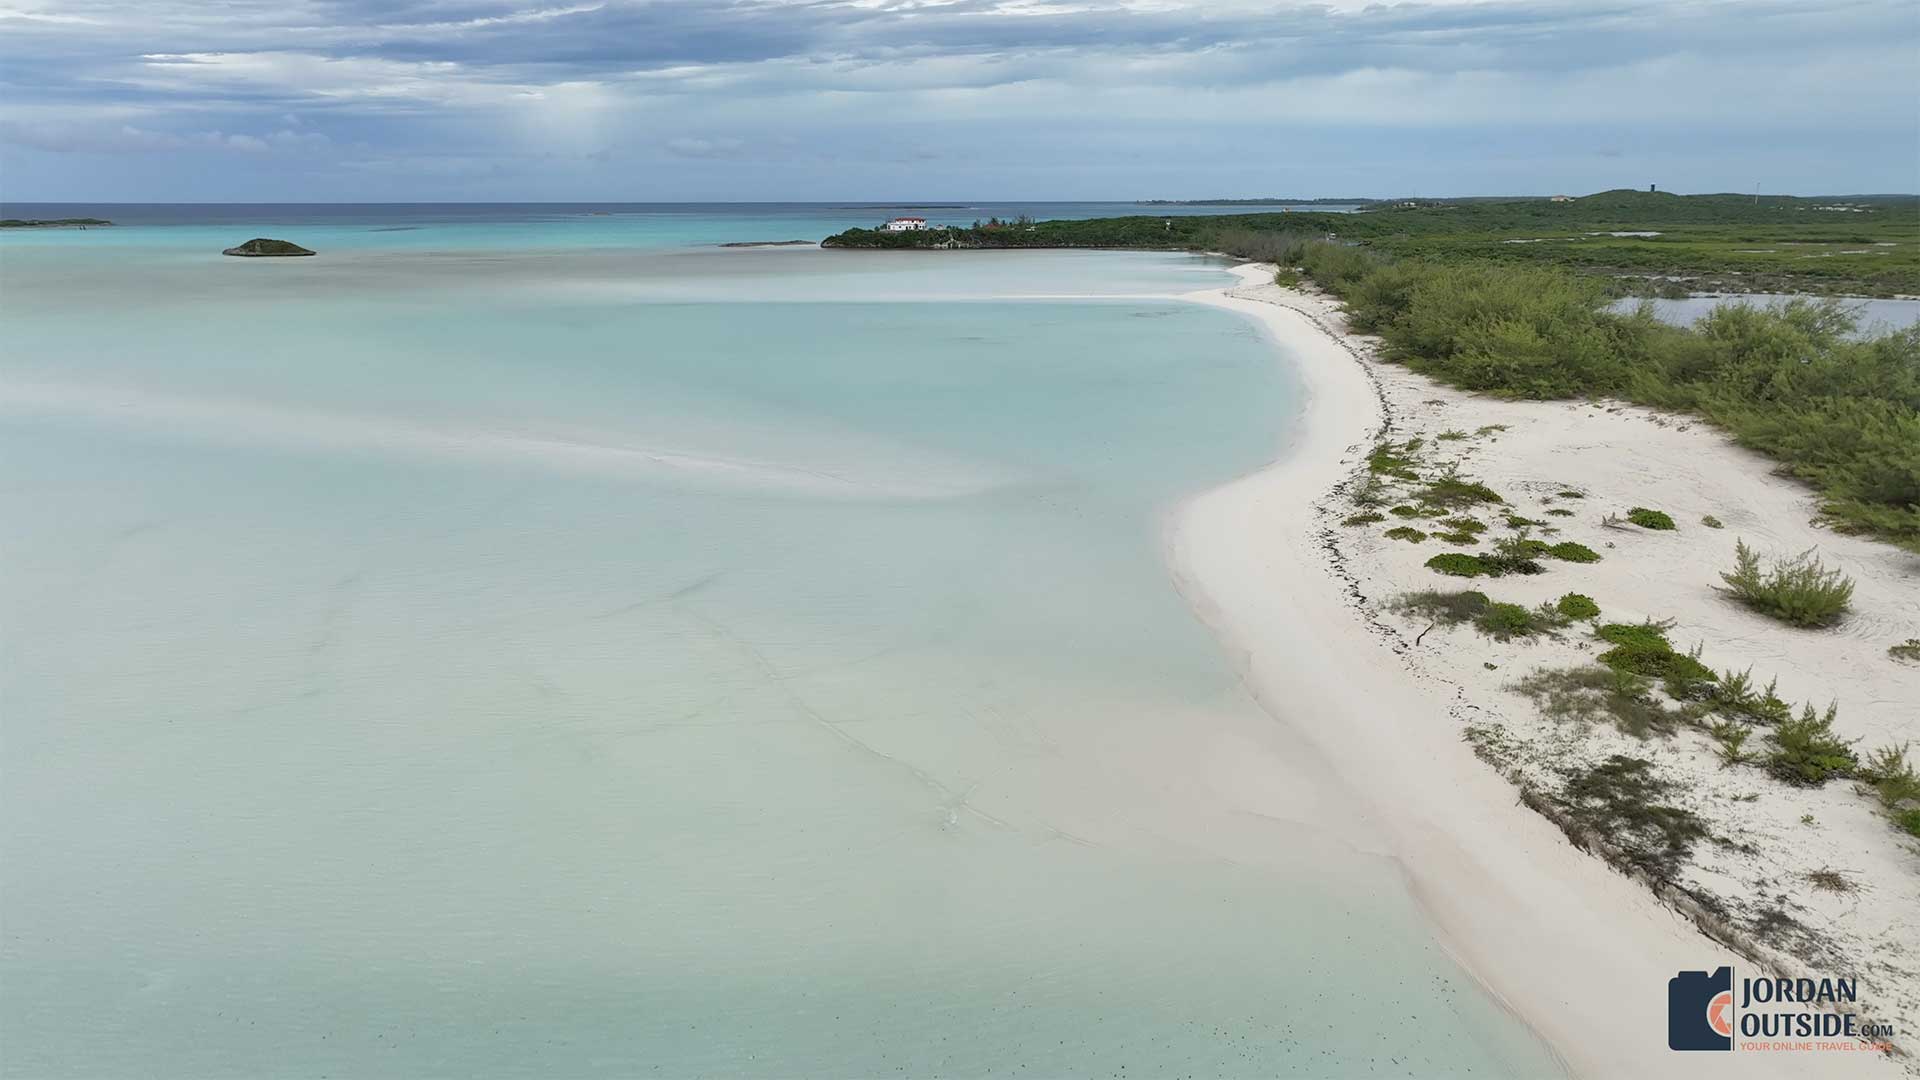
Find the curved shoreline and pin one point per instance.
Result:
(1580, 953)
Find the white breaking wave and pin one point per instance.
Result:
(915, 475)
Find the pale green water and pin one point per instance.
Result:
(683, 664)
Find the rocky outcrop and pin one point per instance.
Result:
(260, 247)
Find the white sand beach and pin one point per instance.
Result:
(1578, 950)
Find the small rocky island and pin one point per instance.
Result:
(261, 247)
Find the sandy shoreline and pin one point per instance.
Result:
(1578, 951)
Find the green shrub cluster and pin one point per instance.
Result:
(1453, 492)
(1364, 518)
(1644, 650)
(1577, 606)
(1651, 519)
(1908, 650)
(1801, 590)
(1791, 381)
(1808, 753)
(1592, 693)
(1403, 532)
(1458, 564)
(1446, 608)
(1568, 551)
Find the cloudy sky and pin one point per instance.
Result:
(325, 100)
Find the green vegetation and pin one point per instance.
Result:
(1367, 518)
(1454, 493)
(1568, 551)
(1577, 606)
(1621, 801)
(1891, 776)
(1505, 621)
(1800, 591)
(1406, 533)
(1592, 694)
(1445, 608)
(1515, 521)
(1644, 650)
(1559, 511)
(1458, 537)
(1513, 555)
(1465, 525)
(1394, 459)
(1459, 564)
(1908, 650)
(1733, 695)
(1807, 752)
(1732, 735)
(1449, 297)
(1570, 494)
(1651, 519)
(1711, 522)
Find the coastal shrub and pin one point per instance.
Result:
(1800, 591)
(1908, 650)
(1711, 522)
(1394, 459)
(1891, 776)
(1577, 606)
(1909, 821)
(1458, 564)
(1505, 621)
(1560, 511)
(1568, 551)
(1644, 650)
(1623, 801)
(1405, 510)
(1569, 493)
(1446, 608)
(1287, 277)
(1404, 532)
(1367, 518)
(1732, 735)
(1594, 694)
(1453, 493)
(1734, 695)
(1452, 436)
(1513, 555)
(1807, 752)
(1515, 521)
(1651, 519)
(1457, 537)
(1465, 525)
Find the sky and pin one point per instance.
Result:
(775, 100)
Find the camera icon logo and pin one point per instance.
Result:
(1700, 1010)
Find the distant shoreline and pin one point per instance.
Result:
(52, 223)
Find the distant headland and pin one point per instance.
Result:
(51, 223)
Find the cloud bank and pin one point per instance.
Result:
(876, 99)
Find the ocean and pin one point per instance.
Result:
(539, 641)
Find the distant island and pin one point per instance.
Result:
(261, 247)
(50, 223)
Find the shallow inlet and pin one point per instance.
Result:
(749, 663)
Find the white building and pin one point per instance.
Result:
(905, 224)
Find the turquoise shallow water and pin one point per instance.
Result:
(562, 662)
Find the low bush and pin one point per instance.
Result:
(1800, 591)
(1732, 736)
(1465, 525)
(1909, 821)
(1451, 436)
(1453, 492)
(1711, 522)
(1892, 777)
(1446, 608)
(1577, 606)
(1644, 650)
(1650, 519)
(1367, 518)
(1515, 521)
(1733, 695)
(1514, 555)
(1807, 752)
(1457, 537)
(1593, 694)
(1908, 650)
(1394, 459)
(1458, 564)
(1404, 510)
(1620, 799)
(1408, 533)
(1570, 494)
(1560, 511)
(1568, 551)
